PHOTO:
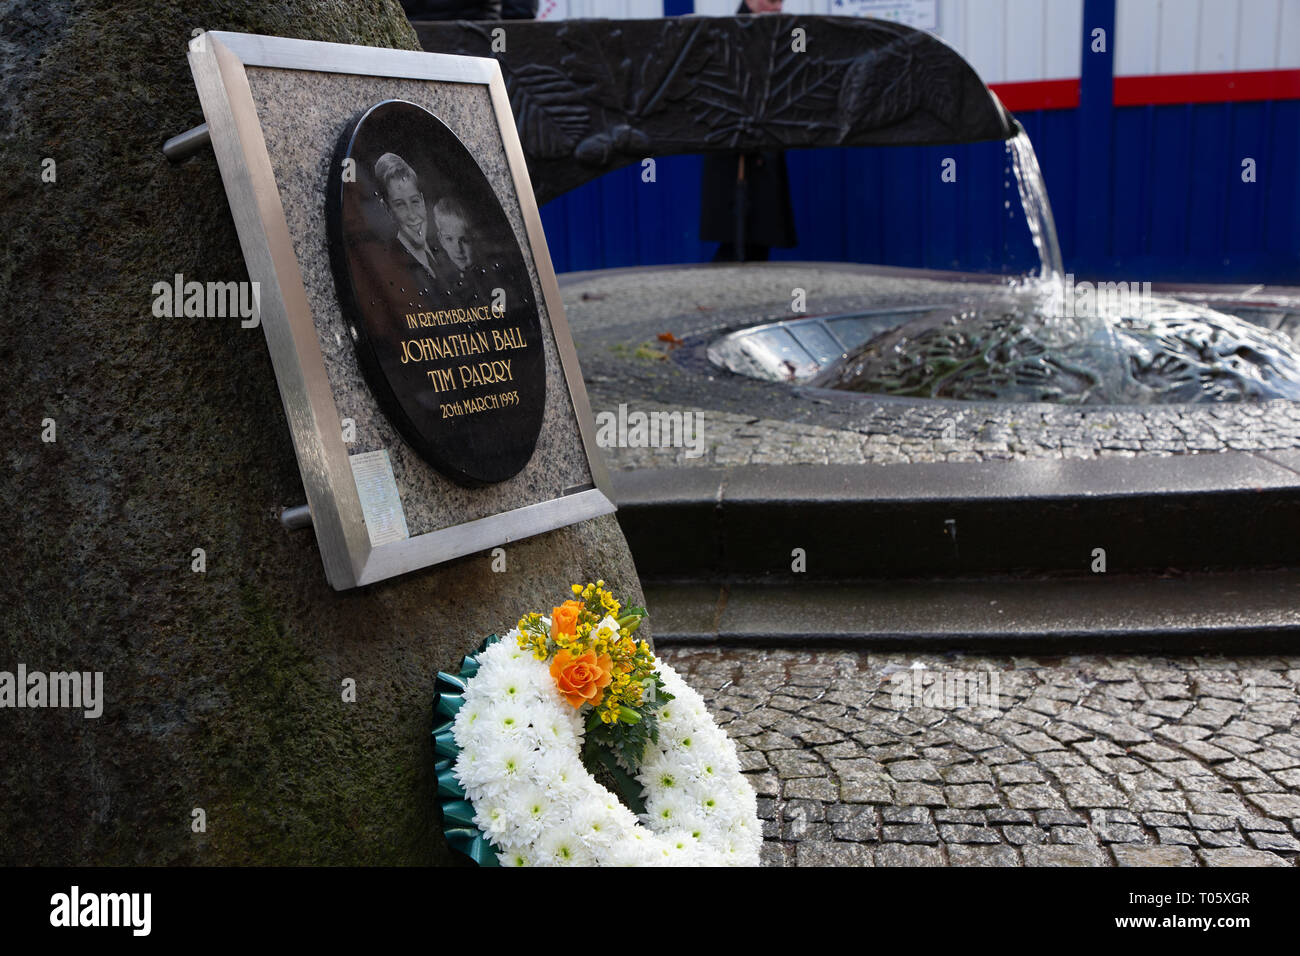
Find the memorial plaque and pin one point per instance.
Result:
(426, 369)
(436, 294)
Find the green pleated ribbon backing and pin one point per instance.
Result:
(456, 811)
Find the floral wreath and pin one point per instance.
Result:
(531, 721)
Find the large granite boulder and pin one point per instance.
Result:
(223, 689)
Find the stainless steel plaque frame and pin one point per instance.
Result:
(218, 61)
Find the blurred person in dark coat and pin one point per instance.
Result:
(761, 179)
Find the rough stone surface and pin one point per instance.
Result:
(895, 854)
(982, 856)
(1154, 856)
(1063, 856)
(822, 853)
(1234, 857)
(222, 688)
(1153, 803)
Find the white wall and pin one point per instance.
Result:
(1013, 41)
(611, 9)
(1005, 40)
(1206, 36)
(1009, 41)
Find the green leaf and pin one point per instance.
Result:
(628, 789)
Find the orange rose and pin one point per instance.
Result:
(582, 680)
(564, 619)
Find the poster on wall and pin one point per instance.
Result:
(921, 14)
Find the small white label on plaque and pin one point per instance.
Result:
(380, 505)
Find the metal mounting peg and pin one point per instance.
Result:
(184, 145)
(296, 518)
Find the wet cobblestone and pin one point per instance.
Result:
(1070, 768)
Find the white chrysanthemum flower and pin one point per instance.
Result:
(508, 764)
(710, 803)
(683, 740)
(494, 818)
(497, 652)
(695, 766)
(630, 851)
(468, 768)
(516, 855)
(740, 794)
(593, 824)
(558, 769)
(468, 723)
(664, 777)
(621, 815)
(686, 843)
(529, 807)
(506, 682)
(655, 759)
(738, 850)
(506, 720)
(561, 847)
(556, 729)
(668, 810)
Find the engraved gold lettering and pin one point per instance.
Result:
(486, 373)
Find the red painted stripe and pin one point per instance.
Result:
(1038, 95)
(1207, 87)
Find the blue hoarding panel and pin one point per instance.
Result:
(1173, 204)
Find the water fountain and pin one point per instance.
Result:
(1037, 340)
(983, 508)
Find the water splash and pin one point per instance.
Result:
(1038, 208)
(1026, 342)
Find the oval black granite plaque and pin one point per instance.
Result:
(436, 294)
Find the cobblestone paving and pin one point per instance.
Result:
(616, 319)
(1085, 761)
